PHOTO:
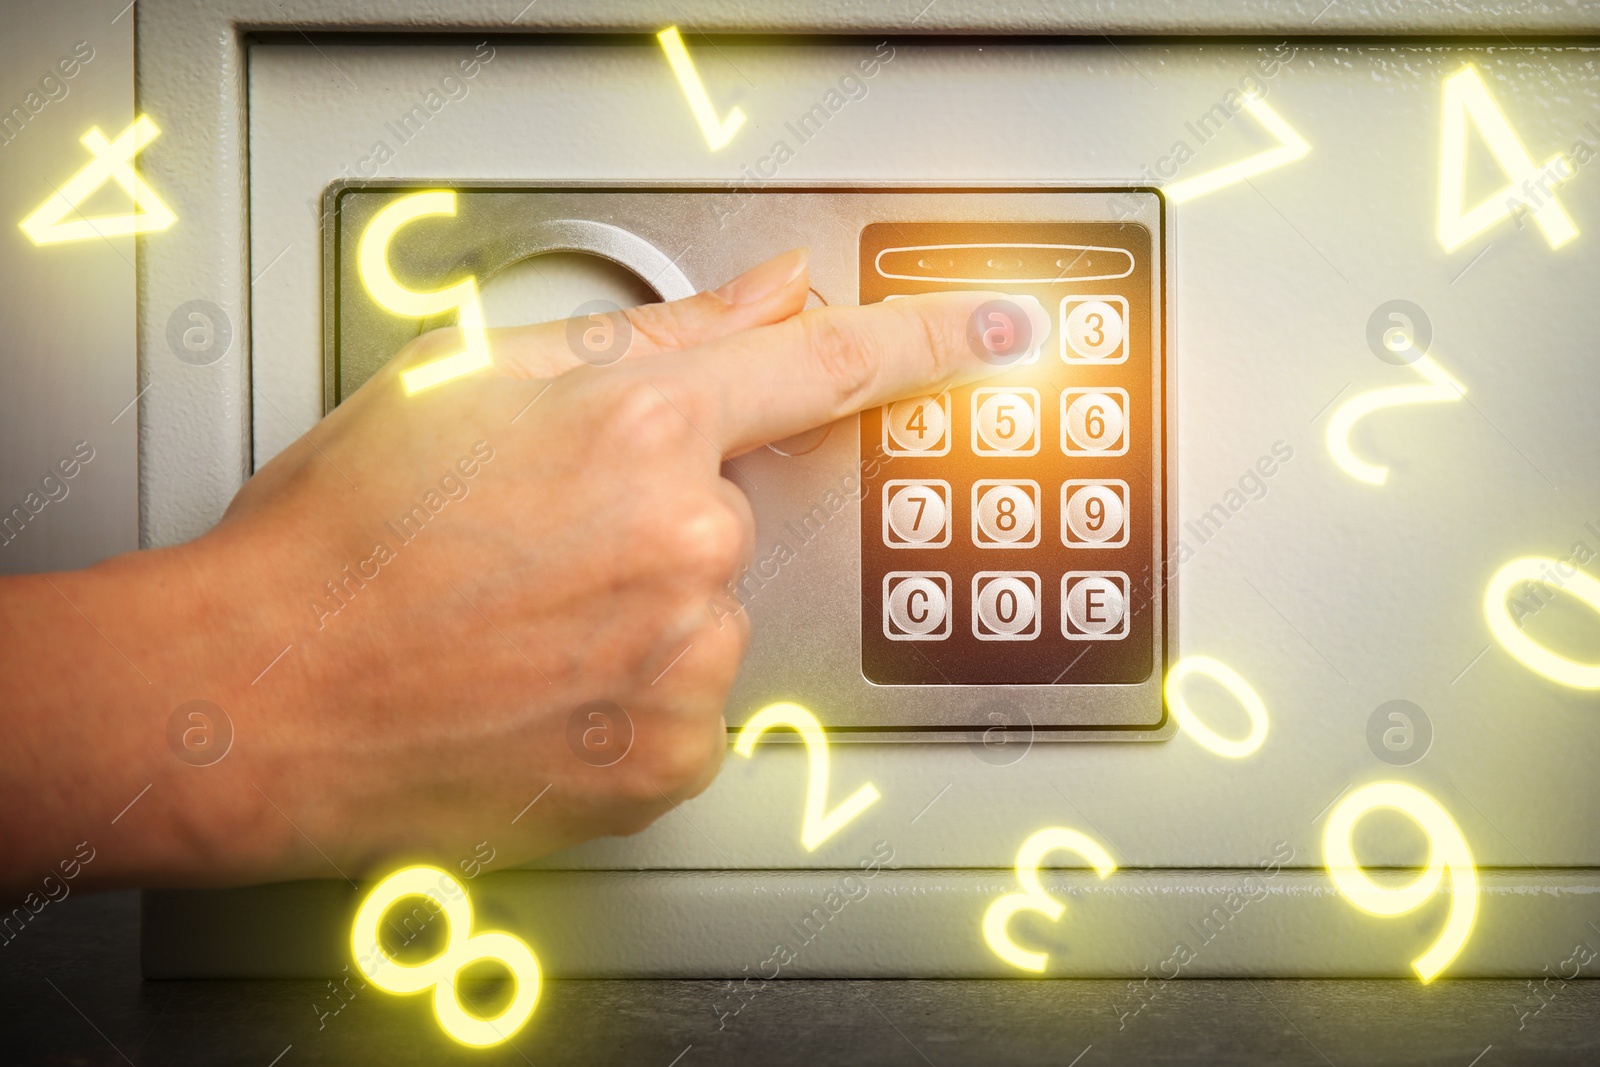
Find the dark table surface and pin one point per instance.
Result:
(72, 994)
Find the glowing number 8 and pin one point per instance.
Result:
(1034, 898)
(817, 827)
(1447, 851)
(440, 972)
(373, 260)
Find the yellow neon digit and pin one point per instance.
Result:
(111, 163)
(1442, 387)
(1234, 684)
(817, 827)
(1465, 96)
(373, 260)
(439, 973)
(1033, 897)
(1291, 146)
(718, 132)
(1447, 851)
(1506, 630)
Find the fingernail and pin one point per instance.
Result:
(762, 281)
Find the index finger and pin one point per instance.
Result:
(775, 381)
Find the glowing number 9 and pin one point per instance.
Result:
(373, 260)
(817, 827)
(1447, 850)
(440, 972)
(1033, 897)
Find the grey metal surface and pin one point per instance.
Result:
(74, 996)
(805, 648)
(899, 924)
(67, 360)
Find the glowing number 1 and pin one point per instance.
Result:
(817, 827)
(373, 259)
(1465, 96)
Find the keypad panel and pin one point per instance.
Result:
(1026, 501)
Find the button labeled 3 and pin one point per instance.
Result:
(916, 605)
(916, 513)
(1094, 329)
(1094, 605)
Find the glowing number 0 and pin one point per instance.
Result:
(1447, 851)
(373, 259)
(440, 972)
(817, 827)
(1034, 898)
(1230, 679)
(1533, 569)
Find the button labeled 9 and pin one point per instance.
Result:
(1094, 513)
(1094, 422)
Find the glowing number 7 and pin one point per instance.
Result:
(1034, 898)
(817, 827)
(373, 260)
(1447, 850)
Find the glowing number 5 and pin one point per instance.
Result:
(817, 827)
(1034, 898)
(373, 259)
(1447, 851)
(440, 973)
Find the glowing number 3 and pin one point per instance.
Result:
(1034, 898)
(373, 259)
(440, 972)
(1447, 851)
(817, 827)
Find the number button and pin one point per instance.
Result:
(1094, 605)
(918, 427)
(1094, 422)
(1094, 329)
(1005, 422)
(1005, 513)
(1094, 513)
(916, 514)
(916, 605)
(1005, 605)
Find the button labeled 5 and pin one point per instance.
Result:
(1005, 513)
(1094, 422)
(917, 427)
(1094, 513)
(916, 513)
(916, 605)
(1005, 422)
(1005, 606)
(1094, 605)
(1094, 329)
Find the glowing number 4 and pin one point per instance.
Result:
(373, 260)
(817, 827)
(1034, 898)
(1447, 851)
(1530, 188)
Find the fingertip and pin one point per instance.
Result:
(783, 275)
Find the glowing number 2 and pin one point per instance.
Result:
(1442, 387)
(1465, 96)
(440, 973)
(817, 827)
(1034, 898)
(1447, 851)
(373, 259)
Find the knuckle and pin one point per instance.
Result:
(706, 538)
(847, 356)
(636, 411)
(665, 326)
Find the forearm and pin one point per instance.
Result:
(96, 663)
